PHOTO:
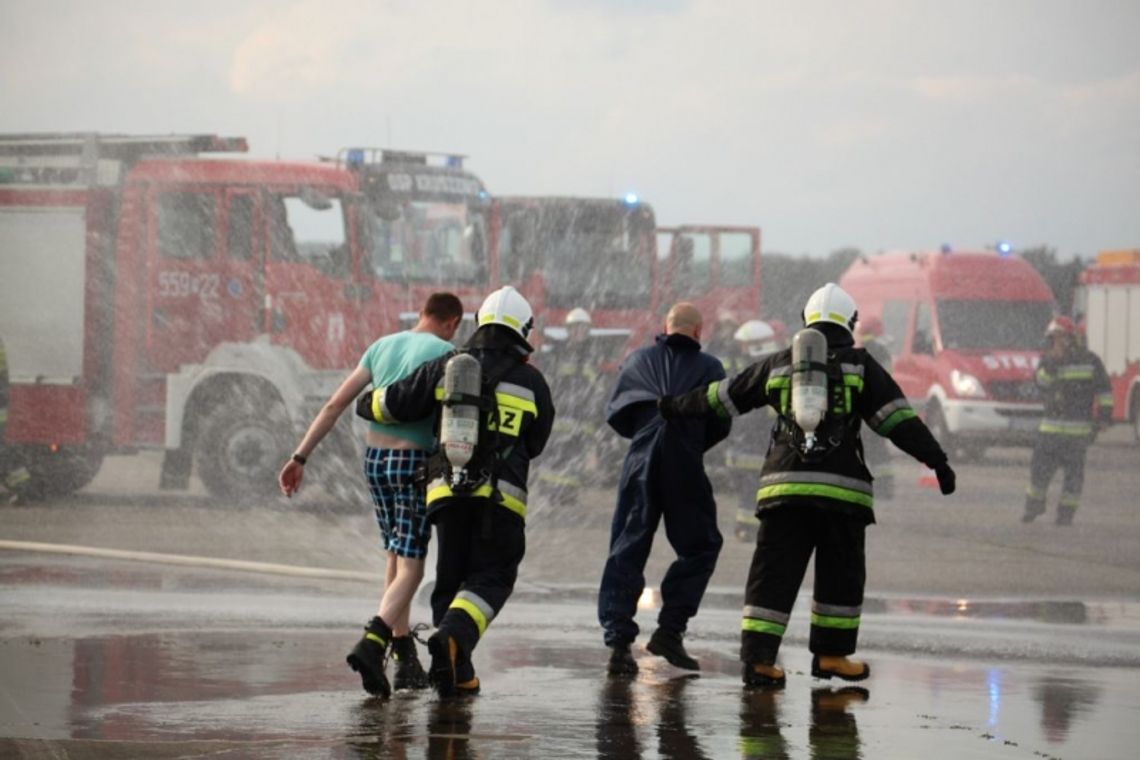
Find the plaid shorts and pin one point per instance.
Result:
(399, 503)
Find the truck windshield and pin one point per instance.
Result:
(427, 241)
(596, 256)
(993, 324)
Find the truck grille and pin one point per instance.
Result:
(1018, 391)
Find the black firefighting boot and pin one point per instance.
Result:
(451, 673)
(667, 644)
(759, 676)
(621, 661)
(370, 655)
(409, 672)
(825, 666)
(1033, 508)
(1065, 515)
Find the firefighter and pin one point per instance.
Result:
(662, 477)
(869, 336)
(748, 445)
(574, 372)
(479, 506)
(815, 492)
(1078, 403)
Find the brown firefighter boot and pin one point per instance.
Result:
(760, 676)
(826, 666)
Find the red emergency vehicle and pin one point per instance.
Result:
(1110, 300)
(965, 331)
(717, 268)
(594, 253)
(155, 298)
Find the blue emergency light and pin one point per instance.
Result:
(631, 199)
(1004, 248)
(455, 162)
(354, 157)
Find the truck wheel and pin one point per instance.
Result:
(239, 451)
(40, 473)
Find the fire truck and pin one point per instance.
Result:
(965, 331)
(157, 297)
(1109, 297)
(717, 268)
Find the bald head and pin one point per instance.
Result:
(685, 319)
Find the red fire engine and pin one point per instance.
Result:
(1110, 300)
(717, 268)
(155, 298)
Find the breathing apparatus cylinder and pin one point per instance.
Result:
(459, 423)
(809, 382)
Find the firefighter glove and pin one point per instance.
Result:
(946, 478)
(364, 407)
(667, 406)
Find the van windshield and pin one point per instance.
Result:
(993, 324)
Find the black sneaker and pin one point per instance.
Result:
(667, 644)
(621, 661)
(368, 658)
(409, 672)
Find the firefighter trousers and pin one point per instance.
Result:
(1052, 452)
(787, 537)
(480, 546)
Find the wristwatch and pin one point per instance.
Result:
(299, 459)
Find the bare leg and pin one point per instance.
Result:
(396, 604)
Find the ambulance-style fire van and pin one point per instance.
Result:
(965, 330)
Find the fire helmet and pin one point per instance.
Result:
(578, 316)
(830, 303)
(507, 307)
(1061, 326)
(754, 331)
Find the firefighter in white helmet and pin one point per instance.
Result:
(814, 491)
(478, 506)
(1073, 382)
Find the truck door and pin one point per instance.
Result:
(312, 300)
(243, 256)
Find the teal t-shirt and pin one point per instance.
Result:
(393, 358)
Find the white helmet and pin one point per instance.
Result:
(578, 316)
(754, 331)
(507, 307)
(830, 303)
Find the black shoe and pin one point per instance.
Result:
(1064, 516)
(621, 661)
(409, 672)
(757, 676)
(668, 644)
(1032, 509)
(368, 658)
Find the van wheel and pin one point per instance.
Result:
(239, 451)
(39, 473)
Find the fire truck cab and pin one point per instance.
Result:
(155, 298)
(1109, 297)
(965, 331)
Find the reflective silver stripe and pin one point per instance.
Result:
(515, 390)
(487, 610)
(825, 478)
(761, 613)
(835, 610)
(852, 369)
(780, 371)
(726, 400)
(887, 410)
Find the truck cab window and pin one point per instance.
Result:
(691, 265)
(310, 229)
(923, 341)
(896, 314)
(428, 242)
(186, 225)
(735, 258)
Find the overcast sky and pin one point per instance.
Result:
(870, 123)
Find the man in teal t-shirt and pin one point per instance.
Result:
(391, 459)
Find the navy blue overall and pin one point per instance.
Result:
(663, 476)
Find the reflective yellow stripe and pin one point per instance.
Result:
(377, 405)
(712, 397)
(1064, 427)
(516, 402)
(814, 489)
(762, 626)
(472, 610)
(484, 491)
(375, 637)
(891, 422)
(830, 621)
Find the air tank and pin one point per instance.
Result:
(459, 423)
(809, 382)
